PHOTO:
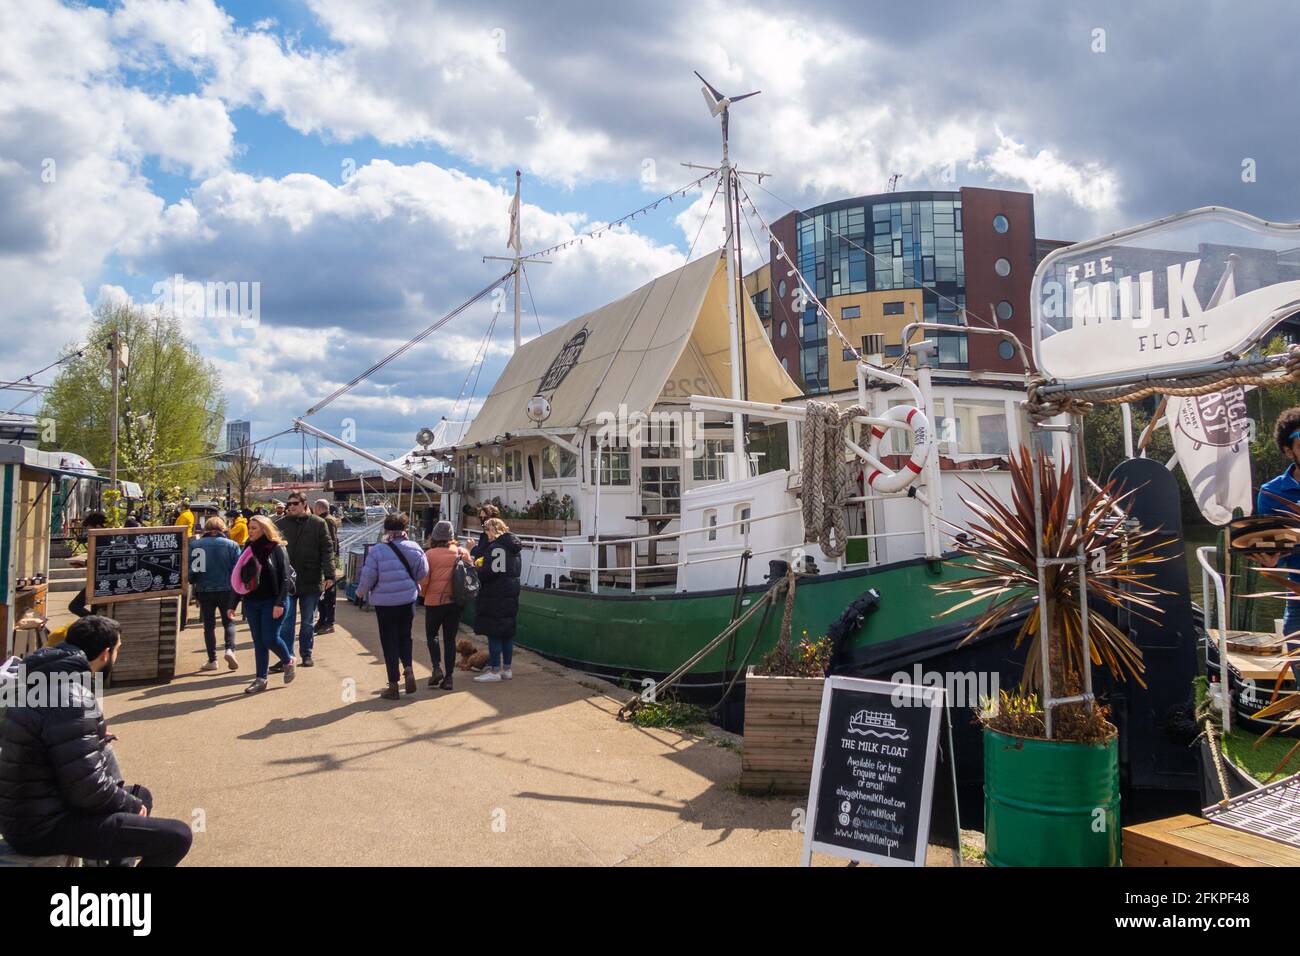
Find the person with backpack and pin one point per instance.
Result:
(390, 580)
(212, 558)
(442, 604)
(497, 606)
(264, 576)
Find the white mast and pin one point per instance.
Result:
(719, 104)
(516, 208)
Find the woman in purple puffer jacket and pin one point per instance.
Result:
(390, 582)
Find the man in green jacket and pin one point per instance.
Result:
(311, 553)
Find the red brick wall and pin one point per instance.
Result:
(786, 348)
(984, 287)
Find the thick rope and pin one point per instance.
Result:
(1218, 762)
(826, 475)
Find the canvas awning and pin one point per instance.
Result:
(668, 338)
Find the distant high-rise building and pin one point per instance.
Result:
(238, 435)
(336, 470)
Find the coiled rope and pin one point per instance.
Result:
(826, 475)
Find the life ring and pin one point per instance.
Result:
(885, 481)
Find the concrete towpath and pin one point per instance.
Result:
(535, 771)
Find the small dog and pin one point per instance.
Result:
(471, 658)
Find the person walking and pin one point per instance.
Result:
(59, 789)
(390, 580)
(307, 539)
(186, 517)
(329, 597)
(440, 608)
(497, 605)
(264, 571)
(239, 527)
(212, 558)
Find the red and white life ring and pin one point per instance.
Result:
(885, 481)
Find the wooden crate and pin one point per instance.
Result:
(781, 715)
(149, 628)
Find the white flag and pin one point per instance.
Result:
(1210, 434)
(513, 242)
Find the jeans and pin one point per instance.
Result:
(395, 636)
(501, 651)
(212, 603)
(116, 836)
(328, 598)
(266, 634)
(446, 617)
(307, 631)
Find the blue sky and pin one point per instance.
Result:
(356, 160)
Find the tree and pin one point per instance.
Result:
(242, 469)
(171, 401)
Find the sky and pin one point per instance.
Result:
(353, 162)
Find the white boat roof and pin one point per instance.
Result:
(672, 328)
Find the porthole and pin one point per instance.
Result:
(1004, 311)
(1002, 267)
(1006, 351)
(1000, 223)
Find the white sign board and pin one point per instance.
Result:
(1179, 292)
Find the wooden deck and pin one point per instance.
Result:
(1262, 665)
(1191, 841)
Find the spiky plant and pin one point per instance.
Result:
(999, 547)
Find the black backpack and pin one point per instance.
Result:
(465, 583)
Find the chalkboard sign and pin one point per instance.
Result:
(125, 564)
(873, 772)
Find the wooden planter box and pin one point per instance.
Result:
(781, 715)
(149, 628)
(547, 528)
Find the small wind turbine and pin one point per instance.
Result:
(719, 104)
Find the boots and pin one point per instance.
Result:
(390, 693)
(410, 681)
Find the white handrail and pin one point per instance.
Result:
(1209, 573)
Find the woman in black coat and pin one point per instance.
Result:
(497, 605)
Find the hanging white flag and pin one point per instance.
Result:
(1211, 439)
(513, 241)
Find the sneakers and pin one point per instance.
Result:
(390, 693)
(326, 629)
(488, 677)
(411, 686)
(231, 660)
(290, 671)
(256, 687)
(307, 662)
(209, 666)
(507, 674)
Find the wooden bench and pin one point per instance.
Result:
(9, 857)
(1192, 841)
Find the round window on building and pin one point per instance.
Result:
(785, 364)
(785, 329)
(1002, 267)
(1001, 223)
(780, 290)
(1004, 311)
(1006, 351)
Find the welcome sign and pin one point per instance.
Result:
(1179, 292)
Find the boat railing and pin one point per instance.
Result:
(685, 556)
(1210, 574)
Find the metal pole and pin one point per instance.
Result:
(518, 270)
(739, 471)
(1043, 608)
(115, 344)
(1126, 412)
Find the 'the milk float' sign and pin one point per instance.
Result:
(1175, 293)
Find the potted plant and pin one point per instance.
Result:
(783, 698)
(1054, 802)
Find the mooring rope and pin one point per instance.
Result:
(1218, 761)
(826, 474)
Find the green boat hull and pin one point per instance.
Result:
(652, 634)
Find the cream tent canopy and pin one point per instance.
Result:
(668, 338)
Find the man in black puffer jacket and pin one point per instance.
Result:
(57, 795)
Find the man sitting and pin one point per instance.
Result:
(57, 792)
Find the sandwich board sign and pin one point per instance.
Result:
(127, 564)
(873, 772)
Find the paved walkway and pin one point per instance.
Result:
(536, 771)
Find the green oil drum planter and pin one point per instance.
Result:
(1050, 802)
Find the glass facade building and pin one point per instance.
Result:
(884, 243)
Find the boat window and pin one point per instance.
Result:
(742, 514)
(711, 521)
(615, 464)
(661, 489)
(980, 427)
(558, 463)
(711, 465)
